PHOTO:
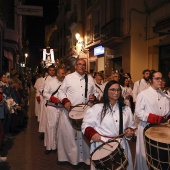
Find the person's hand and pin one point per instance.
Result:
(129, 132)
(19, 107)
(54, 100)
(96, 137)
(92, 98)
(38, 99)
(67, 106)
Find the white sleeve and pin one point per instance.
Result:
(89, 119)
(62, 90)
(140, 108)
(135, 90)
(46, 92)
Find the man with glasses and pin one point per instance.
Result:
(77, 88)
(152, 107)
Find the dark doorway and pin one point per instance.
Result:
(117, 63)
(164, 60)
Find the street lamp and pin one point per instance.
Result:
(26, 55)
(77, 35)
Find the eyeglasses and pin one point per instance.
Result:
(157, 78)
(115, 90)
(79, 64)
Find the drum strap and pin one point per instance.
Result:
(120, 120)
(99, 88)
(56, 91)
(86, 85)
(52, 95)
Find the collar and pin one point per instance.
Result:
(80, 76)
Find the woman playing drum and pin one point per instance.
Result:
(111, 118)
(152, 107)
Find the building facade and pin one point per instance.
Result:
(116, 34)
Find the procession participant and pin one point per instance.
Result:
(51, 96)
(98, 80)
(37, 98)
(115, 76)
(77, 88)
(152, 106)
(108, 119)
(163, 87)
(42, 124)
(126, 91)
(141, 84)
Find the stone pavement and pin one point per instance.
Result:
(26, 151)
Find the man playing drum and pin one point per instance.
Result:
(77, 88)
(108, 120)
(152, 106)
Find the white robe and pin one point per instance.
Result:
(109, 126)
(52, 115)
(43, 118)
(71, 144)
(37, 105)
(139, 86)
(148, 101)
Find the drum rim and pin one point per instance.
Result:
(76, 120)
(103, 145)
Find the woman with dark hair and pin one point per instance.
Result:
(111, 118)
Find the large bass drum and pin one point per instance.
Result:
(157, 146)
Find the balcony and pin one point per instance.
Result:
(111, 29)
(96, 32)
(163, 27)
(111, 33)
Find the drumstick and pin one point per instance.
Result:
(106, 143)
(123, 134)
(85, 104)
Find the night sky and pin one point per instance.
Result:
(35, 28)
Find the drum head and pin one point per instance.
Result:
(159, 133)
(104, 151)
(78, 112)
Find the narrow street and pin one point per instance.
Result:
(26, 151)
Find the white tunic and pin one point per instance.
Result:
(71, 144)
(148, 101)
(37, 86)
(52, 115)
(109, 126)
(100, 89)
(139, 86)
(43, 118)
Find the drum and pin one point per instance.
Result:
(77, 114)
(106, 157)
(157, 146)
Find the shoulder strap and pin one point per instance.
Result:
(139, 82)
(86, 85)
(56, 91)
(99, 88)
(120, 120)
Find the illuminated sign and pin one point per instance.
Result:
(98, 50)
